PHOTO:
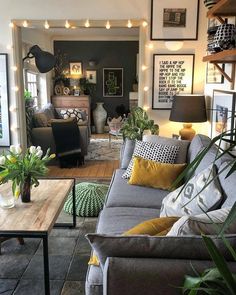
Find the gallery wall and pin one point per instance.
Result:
(105, 54)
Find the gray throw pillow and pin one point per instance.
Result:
(190, 200)
(188, 247)
(182, 144)
(127, 153)
(208, 224)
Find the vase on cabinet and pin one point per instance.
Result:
(210, 3)
(99, 117)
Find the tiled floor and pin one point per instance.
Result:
(21, 267)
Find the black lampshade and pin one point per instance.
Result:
(188, 109)
(44, 60)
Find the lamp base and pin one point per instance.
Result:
(187, 133)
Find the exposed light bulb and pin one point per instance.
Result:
(12, 109)
(146, 88)
(129, 24)
(14, 128)
(144, 68)
(145, 108)
(67, 24)
(46, 25)
(87, 24)
(73, 27)
(11, 25)
(150, 46)
(14, 68)
(144, 24)
(15, 88)
(25, 24)
(108, 26)
(9, 47)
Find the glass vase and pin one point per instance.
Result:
(26, 190)
(7, 200)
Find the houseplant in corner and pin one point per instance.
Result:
(23, 169)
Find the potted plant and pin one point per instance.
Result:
(86, 87)
(136, 123)
(23, 169)
(29, 101)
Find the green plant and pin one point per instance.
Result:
(86, 86)
(217, 280)
(136, 123)
(17, 166)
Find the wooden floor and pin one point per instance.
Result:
(91, 169)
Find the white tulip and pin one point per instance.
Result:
(13, 149)
(38, 148)
(32, 149)
(39, 153)
(2, 160)
(9, 157)
(18, 149)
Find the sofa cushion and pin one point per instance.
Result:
(185, 247)
(126, 153)
(182, 144)
(118, 220)
(49, 111)
(192, 198)
(122, 194)
(94, 281)
(208, 224)
(155, 174)
(40, 120)
(198, 143)
(152, 151)
(80, 115)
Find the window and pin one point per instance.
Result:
(31, 84)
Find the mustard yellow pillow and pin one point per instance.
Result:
(153, 227)
(154, 174)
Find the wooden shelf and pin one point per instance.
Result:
(223, 8)
(226, 56)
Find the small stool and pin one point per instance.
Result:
(90, 198)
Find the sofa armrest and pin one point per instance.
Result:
(149, 276)
(43, 136)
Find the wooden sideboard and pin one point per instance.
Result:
(69, 101)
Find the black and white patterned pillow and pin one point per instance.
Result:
(152, 151)
(73, 113)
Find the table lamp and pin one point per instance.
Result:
(188, 109)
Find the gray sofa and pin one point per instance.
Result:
(136, 274)
(41, 132)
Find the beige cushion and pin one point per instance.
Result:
(208, 224)
(191, 201)
(40, 120)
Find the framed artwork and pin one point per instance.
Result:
(213, 75)
(91, 75)
(76, 68)
(4, 98)
(172, 74)
(174, 20)
(223, 111)
(112, 82)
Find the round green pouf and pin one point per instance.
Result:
(89, 199)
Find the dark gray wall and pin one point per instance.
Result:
(106, 54)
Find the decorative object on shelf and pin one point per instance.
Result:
(224, 37)
(45, 61)
(113, 82)
(23, 169)
(174, 20)
(76, 68)
(91, 76)
(66, 90)
(4, 97)
(223, 113)
(188, 109)
(99, 117)
(213, 75)
(172, 74)
(210, 3)
(136, 123)
(76, 92)
(58, 89)
(86, 87)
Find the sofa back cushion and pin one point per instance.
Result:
(40, 120)
(126, 153)
(49, 111)
(198, 143)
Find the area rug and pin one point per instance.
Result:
(99, 149)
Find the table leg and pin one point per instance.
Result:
(46, 265)
(74, 205)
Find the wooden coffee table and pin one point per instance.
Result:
(37, 218)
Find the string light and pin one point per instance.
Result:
(9, 47)
(144, 68)
(87, 24)
(25, 24)
(12, 109)
(108, 26)
(14, 128)
(67, 24)
(144, 24)
(146, 108)
(146, 88)
(11, 25)
(150, 46)
(14, 68)
(73, 27)
(15, 88)
(46, 25)
(129, 24)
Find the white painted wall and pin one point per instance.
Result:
(105, 9)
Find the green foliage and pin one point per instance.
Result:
(136, 123)
(86, 86)
(27, 95)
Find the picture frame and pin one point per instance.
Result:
(172, 75)
(222, 113)
(112, 82)
(213, 75)
(4, 101)
(174, 20)
(76, 68)
(91, 75)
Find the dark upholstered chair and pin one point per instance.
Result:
(67, 139)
